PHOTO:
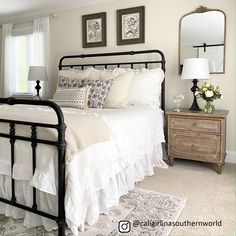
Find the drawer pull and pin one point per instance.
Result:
(194, 124)
(193, 148)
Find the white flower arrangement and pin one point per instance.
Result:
(208, 92)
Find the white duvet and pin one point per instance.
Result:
(96, 177)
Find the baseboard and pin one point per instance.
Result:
(230, 157)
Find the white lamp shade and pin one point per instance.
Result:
(195, 68)
(37, 73)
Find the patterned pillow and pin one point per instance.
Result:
(98, 92)
(65, 82)
(77, 98)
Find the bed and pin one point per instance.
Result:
(43, 171)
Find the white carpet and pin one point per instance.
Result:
(141, 212)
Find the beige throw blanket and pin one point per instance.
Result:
(84, 128)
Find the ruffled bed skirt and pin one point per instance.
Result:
(87, 207)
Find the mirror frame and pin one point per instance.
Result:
(202, 9)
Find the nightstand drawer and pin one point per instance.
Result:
(202, 125)
(194, 146)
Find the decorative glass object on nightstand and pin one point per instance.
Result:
(178, 101)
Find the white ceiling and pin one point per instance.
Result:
(12, 10)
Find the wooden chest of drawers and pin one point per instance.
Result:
(197, 136)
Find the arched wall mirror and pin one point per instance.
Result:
(202, 34)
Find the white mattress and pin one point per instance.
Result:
(96, 177)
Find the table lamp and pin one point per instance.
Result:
(37, 73)
(195, 69)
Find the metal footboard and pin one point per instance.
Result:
(61, 147)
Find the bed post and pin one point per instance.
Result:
(61, 147)
(61, 179)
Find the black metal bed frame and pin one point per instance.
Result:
(61, 146)
(119, 64)
(60, 127)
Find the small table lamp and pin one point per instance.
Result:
(37, 73)
(194, 69)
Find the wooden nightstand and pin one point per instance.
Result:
(197, 136)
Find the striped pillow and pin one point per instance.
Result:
(77, 98)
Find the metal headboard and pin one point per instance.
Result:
(131, 64)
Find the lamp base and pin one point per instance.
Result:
(195, 88)
(36, 97)
(38, 87)
(195, 106)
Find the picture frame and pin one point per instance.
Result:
(131, 25)
(94, 30)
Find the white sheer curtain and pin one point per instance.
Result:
(39, 56)
(7, 83)
(41, 50)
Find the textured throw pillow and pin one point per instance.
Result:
(77, 98)
(146, 87)
(65, 82)
(72, 78)
(120, 89)
(98, 92)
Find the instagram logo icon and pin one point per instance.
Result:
(124, 226)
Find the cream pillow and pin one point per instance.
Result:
(119, 92)
(77, 98)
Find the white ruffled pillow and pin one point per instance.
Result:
(77, 98)
(146, 87)
(93, 74)
(74, 73)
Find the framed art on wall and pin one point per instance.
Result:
(131, 25)
(94, 30)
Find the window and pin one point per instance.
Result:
(25, 45)
(21, 58)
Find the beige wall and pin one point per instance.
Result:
(162, 28)
(0, 61)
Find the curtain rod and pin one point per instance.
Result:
(53, 16)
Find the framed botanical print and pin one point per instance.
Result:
(94, 30)
(131, 25)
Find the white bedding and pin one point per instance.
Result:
(96, 177)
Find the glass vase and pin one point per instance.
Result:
(209, 107)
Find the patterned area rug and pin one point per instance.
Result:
(140, 213)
